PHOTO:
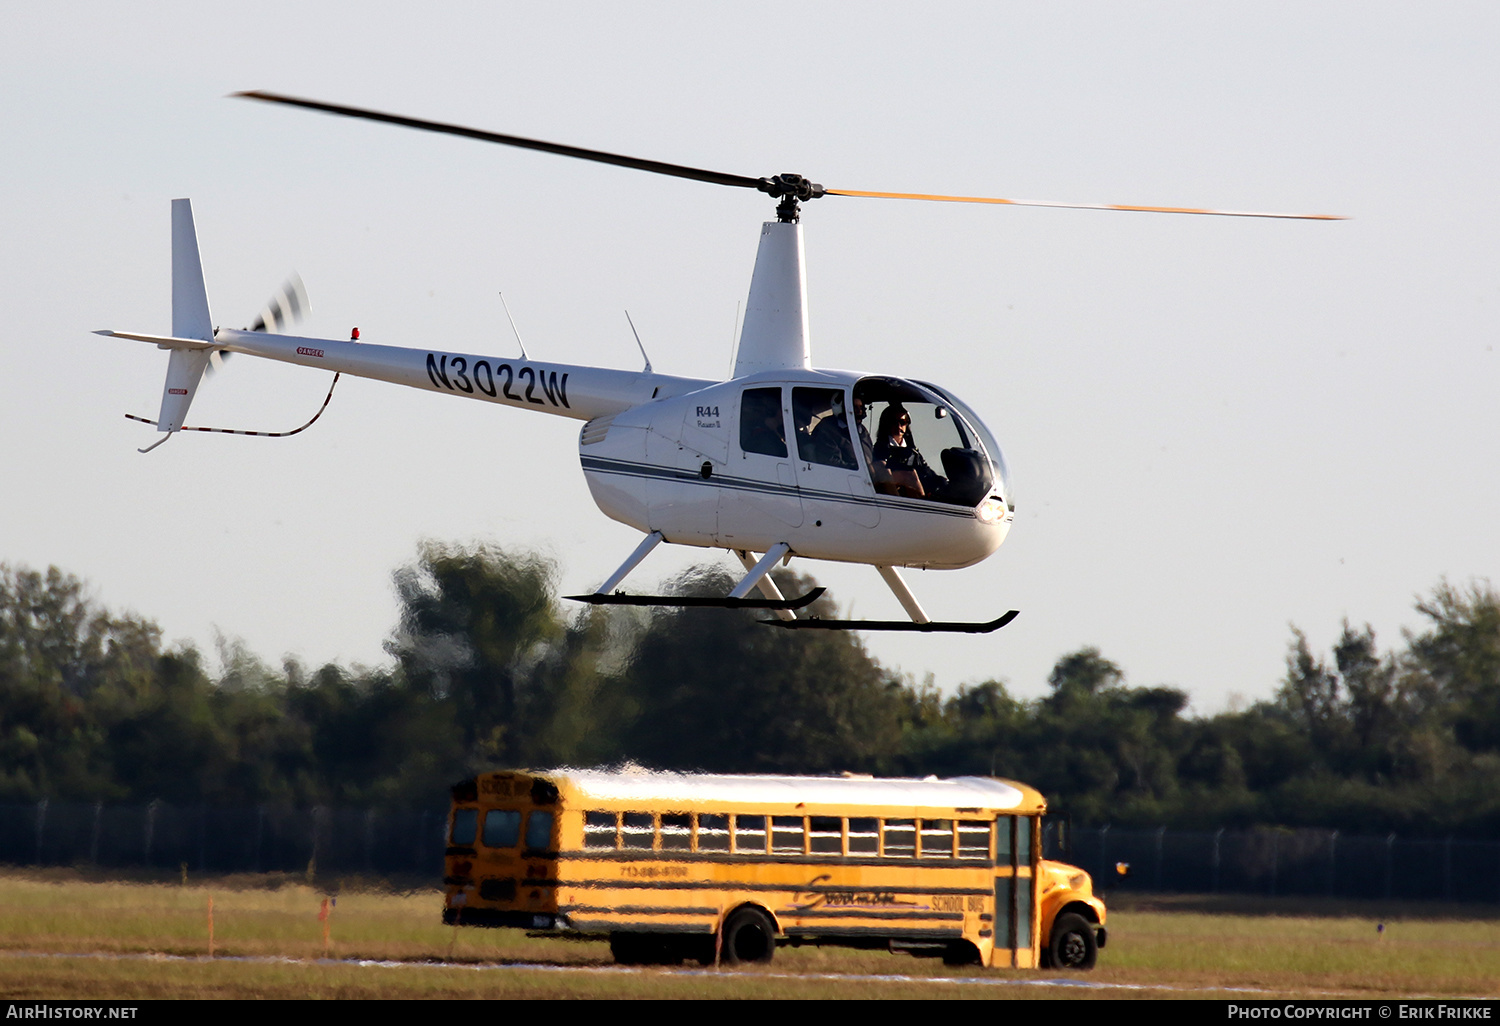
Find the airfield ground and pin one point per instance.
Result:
(73, 935)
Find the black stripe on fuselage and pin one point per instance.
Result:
(647, 471)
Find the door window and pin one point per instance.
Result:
(762, 428)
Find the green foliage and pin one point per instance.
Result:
(716, 691)
(489, 671)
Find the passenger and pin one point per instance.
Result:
(762, 429)
(830, 443)
(901, 463)
(864, 433)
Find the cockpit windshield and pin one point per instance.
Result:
(991, 447)
(918, 446)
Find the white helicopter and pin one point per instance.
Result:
(781, 460)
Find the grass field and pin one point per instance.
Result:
(64, 935)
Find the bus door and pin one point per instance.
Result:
(1015, 892)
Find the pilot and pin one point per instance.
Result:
(894, 453)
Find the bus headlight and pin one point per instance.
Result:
(990, 510)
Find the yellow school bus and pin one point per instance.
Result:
(674, 866)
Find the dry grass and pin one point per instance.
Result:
(268, 942)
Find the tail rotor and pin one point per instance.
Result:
(285, 308)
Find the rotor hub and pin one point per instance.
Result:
(791, 189)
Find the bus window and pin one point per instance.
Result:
(502, 828)
(937, 838)
(1024, 825)
(786, 835)
(713, 832)
(864, 837)
(826, 835)
(900, 839)
(539, 831)
(974, 839)
(676, 831)
(637, 830)
(750, 834)
(599, 830)
(465, 827)
(1003, 840)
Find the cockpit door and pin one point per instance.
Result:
(831, 470)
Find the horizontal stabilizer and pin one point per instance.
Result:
(164, 341)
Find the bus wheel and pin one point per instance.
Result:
(629, 949)
(1072, 945)
(749, 937)
(960, 953)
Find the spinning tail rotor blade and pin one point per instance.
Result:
(285, 308)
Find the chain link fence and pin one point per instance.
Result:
(405, 843)
(1276, 863)
(259, 840)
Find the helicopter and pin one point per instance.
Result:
(778, 461)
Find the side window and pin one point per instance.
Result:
(676, 831)
(465, 826)
(539, 831)
(786, 835)
(502, 828)
(762, 428)
(713, 832)
(900, 841)
(599, 830)
(864, 837)
(937, 838)
(750, 834)
(822, 426)
(637, 830)
(974, 839)
(826, 835)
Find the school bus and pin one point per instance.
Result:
(674, 866)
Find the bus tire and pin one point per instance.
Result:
(1072, 944)
(629, 949)
(960, 952)
(749, 938)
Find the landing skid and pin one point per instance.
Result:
(701, 602)
(951, 627)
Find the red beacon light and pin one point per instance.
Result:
(353, 334)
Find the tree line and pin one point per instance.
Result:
(488, 670)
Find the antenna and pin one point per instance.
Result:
(637, 335)
(734, 337)
(513, 328)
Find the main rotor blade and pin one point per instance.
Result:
(1076, 206)
(656, 166)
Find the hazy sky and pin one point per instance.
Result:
(1217, 427)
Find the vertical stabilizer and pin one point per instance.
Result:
(775, 333)
(189, 298)
(190, 319)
